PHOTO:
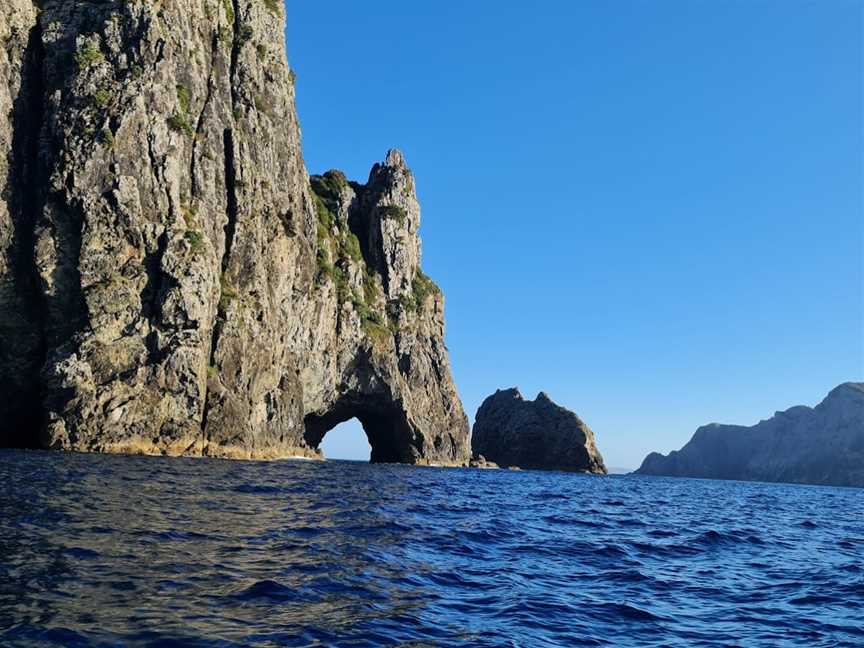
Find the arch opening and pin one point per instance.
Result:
(390, 436)
(346, 441)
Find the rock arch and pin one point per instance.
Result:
(386, 425)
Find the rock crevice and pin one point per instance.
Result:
(22, 312)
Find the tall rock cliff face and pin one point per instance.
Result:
(538, 434)
(169, 282)
(821, 445)
(20, 335)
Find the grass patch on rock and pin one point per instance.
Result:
(394, 212)
(195, 239)
(274, 6)
(88, 54)
(102, 98)
(379, 335)
(227, 293)
(179, 122)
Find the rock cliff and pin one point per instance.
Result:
(821, 445)
(169, 281)
(538, 434)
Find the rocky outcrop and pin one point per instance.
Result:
(538, 434)
(169, 282)
(479, 461)
(821, 445)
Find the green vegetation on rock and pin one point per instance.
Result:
(330, 185)
(371, 287)
(227, 294)
(179, 121)
(395, 212)
(422, 287)
(195, 240)
(88, 54)
(189, 215)
(335, 238)
(102, 98)
(179, 124)
(350, 247)
(380, 335)
(184, 99)
(229, 10)
(274, 6)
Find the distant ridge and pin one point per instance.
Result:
(820, 445)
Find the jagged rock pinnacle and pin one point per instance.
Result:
(395, 159)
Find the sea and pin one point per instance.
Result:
(133, 551)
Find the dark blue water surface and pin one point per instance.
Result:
(129, 551)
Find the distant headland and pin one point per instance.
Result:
(820, 445)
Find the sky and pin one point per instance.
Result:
(653, 211)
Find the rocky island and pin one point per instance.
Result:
(171, 279)
(820, 445)
(513, 432)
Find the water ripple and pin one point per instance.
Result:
(108, 551)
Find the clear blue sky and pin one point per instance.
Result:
(650, 210)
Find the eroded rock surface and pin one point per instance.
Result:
(539, 434)
(820, 445)
(169, 282)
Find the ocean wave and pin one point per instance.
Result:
(348, 554)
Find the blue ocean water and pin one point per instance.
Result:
(133, 551)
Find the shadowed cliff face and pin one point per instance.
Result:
(21, 349)
(821, 445)
(169, 283)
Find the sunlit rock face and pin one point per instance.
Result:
(169, 282)
(820, 445)
(514, 432)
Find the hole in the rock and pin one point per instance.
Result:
(382, 420)
(347, 441)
